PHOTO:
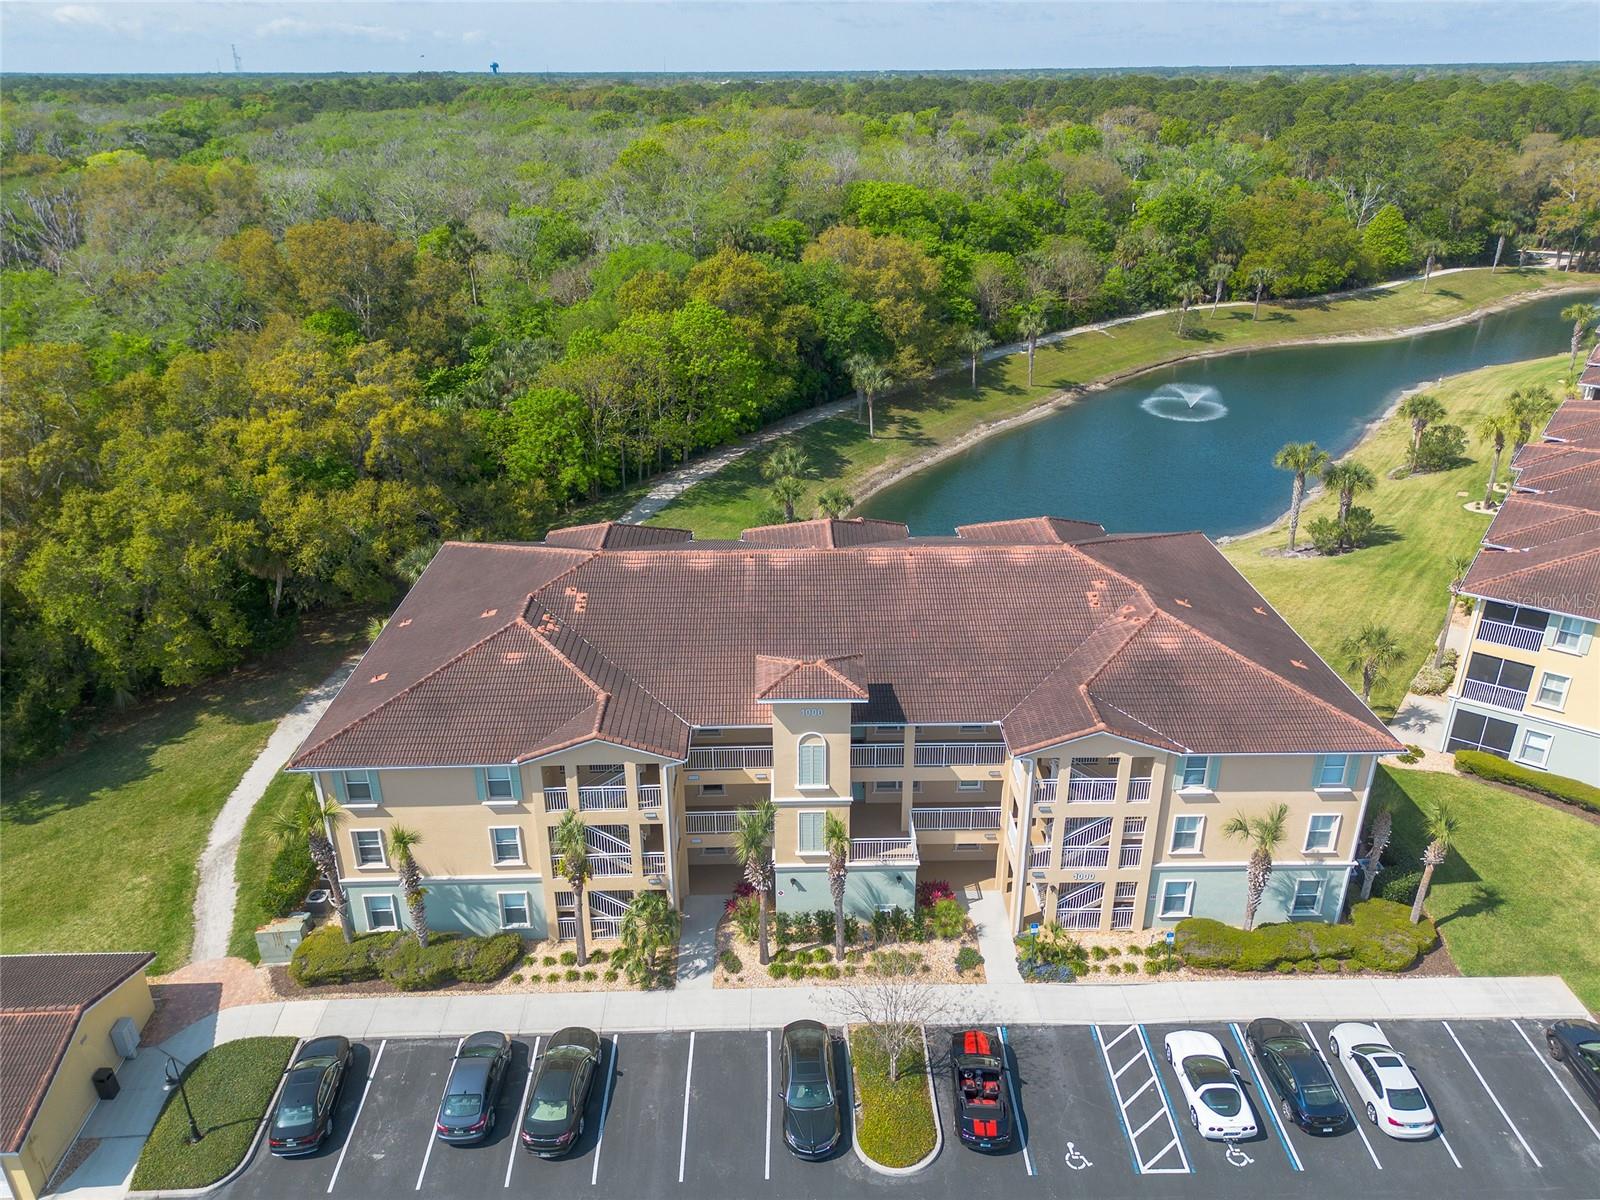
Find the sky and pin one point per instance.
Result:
(781, 35)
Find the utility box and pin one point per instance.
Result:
(105, 1083)
(125, 1037)
(276, 940)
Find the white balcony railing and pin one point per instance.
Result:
(1130, 854)
(1091, 789)
(655, 862)
(1045, 792)
(871, 755)
(896, 850)
(1085, 856)
(717, 820)
(649, 796)
(1139, 789)
(1493, 693)
(956, 818)
(604, 863)
(1039, 856)
(960, 754)
(1523, 637)
(567, 929)
(555, 799)
(730, 758)
(603, 797)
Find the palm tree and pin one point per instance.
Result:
(784, 469)
(1347, 478)
(1442, 828)
(1259, 279)
(1495, 428)
(869, 377)
(1583, 318)
(1188, 293)
(834, 501)
(752, 846)
(1432, 250)
(1264, 835)
(1527, 407)
(1459, 566)
(1502, 230)
(1031, 325)
(1372, 650)
(1302, 458)
(312, 820)
(650, 926)
(570, 840)
(403, 841)
(1217, 276)
(787, 492)
(1382, 831)
(1421, 409)
(974, 342)
(836, 839)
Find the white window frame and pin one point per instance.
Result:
(1205, 773)
(364, 778)
(490, 779)
(1188, 900)
(1561, 627)
(811, 741)
(1199, 834)
(1333, 839)
(1323, 763)
(393, 909)
(1294, 899)
(969, 785)
(822, 831)
(521, 859)
(1544, 681)
(527, 908)
(383, 850)
(1543, 762)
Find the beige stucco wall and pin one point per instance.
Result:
(1583, 694)
(791, 722)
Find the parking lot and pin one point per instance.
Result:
(695, 1115)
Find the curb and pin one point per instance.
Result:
(933, 1103)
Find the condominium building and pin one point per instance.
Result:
(1528, 688)
(1067, 716)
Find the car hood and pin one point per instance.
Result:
(811, 1128)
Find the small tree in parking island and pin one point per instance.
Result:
(892, 1006)
(313, 820)
(570, 840)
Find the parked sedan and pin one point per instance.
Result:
(1577, 1043)
(1384, 1084)
(467, 1112)
(983, 1117)
(812, 1125)
(1217, 1106)
(1307, 1094)
(310, 1093)
(559, 1094)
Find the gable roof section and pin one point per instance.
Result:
(858, 531)
(838, 678)
(614, 535)
(1032, 531)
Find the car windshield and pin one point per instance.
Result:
(552, 1099)
(1407, 1100)
(1224, 1101)
(1203, 1069)
(1321, 1093)
(808, 1093)
(294, 1112)
(462, 1104)
(320, 1061)
(1589, 1053)
(482, 1050)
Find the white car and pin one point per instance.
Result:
(1393, 1099)
(1217, 1106)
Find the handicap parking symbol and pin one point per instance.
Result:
(1075, 1158)
(1237, 1156)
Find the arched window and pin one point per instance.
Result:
(813, 761)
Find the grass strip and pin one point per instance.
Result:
(895, 1126)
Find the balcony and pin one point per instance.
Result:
(711, 820)
(960, 754)
(730, 758)
(1139, 789)
(1130, 854)
(1091, 789)
(555, 799)
(1039, 857)
(1523, 637)
(655, 862)
(955, 818)
(1081, 857)
(1045, 792)
(876, 755)
(607, 863)
(649, 797)
(1493, 693)
(610, 796)
(890, 851)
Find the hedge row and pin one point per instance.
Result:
(325, 958)
(1500, 770)
(1379, 937)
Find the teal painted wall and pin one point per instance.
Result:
(1219, 894)
(805, 889)
(455, 907)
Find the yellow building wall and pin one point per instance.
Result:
(1583, 694)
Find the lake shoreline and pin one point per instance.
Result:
(875, 482)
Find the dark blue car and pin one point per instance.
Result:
(1306, 1092)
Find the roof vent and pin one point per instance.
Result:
(1259, 609)
(1295, 662)
(488, 612)
(379, 678)
(515, 656)
(403, 624)
(1178, 600)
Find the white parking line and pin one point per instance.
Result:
(1016, 1109)
(350, 1133)
(1512, 1125)
(1448, 1148)
(768, 1170)
(605, 1111)
(522, 1107)
(688, 1076)
(1543, 1062)
(1166, 1102)
(1355, 1119)
(1141, 1164)
(1265, 1102)
(433, 1121)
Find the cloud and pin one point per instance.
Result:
(93, 16)
(299, 27)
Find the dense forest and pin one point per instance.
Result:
(267, 341)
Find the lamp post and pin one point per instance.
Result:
(174, 1073)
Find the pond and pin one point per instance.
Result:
(1190, 446)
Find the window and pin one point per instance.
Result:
(358, 787)
(505, 845)
(809, 839)
(1307, 900)
(1186, 834)
(713, 789)
(1499, 673)
(1474, 731)
(1322, 833)
(514, 910)
(1572, 635)
(1535, 748)
(381, 913)
(1177, 898)
(1331, 770)
(970, 785)
(1553, 691)
(368, 845)
(886, 785)
(1195, 772)
(497, 783)
(813, 761)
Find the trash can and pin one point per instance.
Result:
(105, 1083)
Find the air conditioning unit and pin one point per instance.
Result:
(125, 1037)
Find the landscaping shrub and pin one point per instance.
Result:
(1557, 787)
(852, 930)
(323, 957)
(572, 975)
(1441, 447)
(289, 877)
(1050, 956)
(1432, 680)
(742, 890)
(1379, 937)
(778, 970)
(901, 924)
(598, 956)
(1411, 754)
(730, 962)
(1099, 953)
(822, 921)
(589, 976)
(1402, 888)
(746, 913)
(549, 960)
(569, 957)
(881, 925)
(931, 891)
(805, 927)
(831, 971)
(782, 929)
(612, 975)
(483, 960)
(948, 917)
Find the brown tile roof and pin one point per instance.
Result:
(42, 998)
(1038, 531)
(838, 678)
(1561, 576)
(858, 531)
(1525, 521)
(614, 535)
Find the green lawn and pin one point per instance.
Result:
(945, 409)
(257, 849)
(1401, 579)
(1520, 893)
(895, 1126)
(102, 843)
(229, 1088)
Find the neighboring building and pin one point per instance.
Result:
(1528, 688)
(1589, 381)
(62, 1018)
(1070, 714)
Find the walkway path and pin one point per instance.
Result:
(999, 952)
(214, 898)
(697, 943)
(1419, 721)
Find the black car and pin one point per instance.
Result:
(1307, 1094)
(812, 1125)
(466, 1114)
(1577, 1043)
(983, 1116)
(310, 1093)
(562, 1080)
